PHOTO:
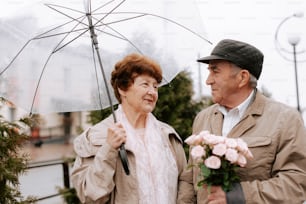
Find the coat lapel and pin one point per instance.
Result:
(248, 120)
(244, 125)
(216, 124)
(215, 119)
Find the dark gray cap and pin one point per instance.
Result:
(240, 53)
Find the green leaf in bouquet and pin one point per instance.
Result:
(205, 171)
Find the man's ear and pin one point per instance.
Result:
(244, 77)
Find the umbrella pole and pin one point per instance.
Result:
(122, 151)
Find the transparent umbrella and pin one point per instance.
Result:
(57, 56)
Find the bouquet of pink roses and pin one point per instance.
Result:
(218, 158)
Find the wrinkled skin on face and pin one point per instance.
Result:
(227, 82)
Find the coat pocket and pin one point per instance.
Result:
(260, 166)
(260, 141)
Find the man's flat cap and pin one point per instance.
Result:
(244, 55)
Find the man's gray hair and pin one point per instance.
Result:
(253, 79)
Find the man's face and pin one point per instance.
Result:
(224, 82)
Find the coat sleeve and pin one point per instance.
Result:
(93, 172)
(186, 189)
(287, 183)
(186, 192)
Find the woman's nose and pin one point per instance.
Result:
(152, 90)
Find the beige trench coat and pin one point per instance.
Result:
(98, 175)
(275, 133)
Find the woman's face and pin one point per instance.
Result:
(142, 95)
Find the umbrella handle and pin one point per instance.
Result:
(124, 160)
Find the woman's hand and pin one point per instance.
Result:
(116, 135)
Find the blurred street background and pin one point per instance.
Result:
(44, 181)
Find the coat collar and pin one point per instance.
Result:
(170, 131)
(248, 120)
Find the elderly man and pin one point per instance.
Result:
(274, 132)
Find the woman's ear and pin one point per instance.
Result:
(122, 93)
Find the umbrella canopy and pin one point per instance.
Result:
(49, 60)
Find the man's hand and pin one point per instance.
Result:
(216, 196)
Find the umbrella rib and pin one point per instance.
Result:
(180, 25)
(41, 36)
(55, 5)
(122, 37)
(98, 21)
(15, 57)
(38, 83)
(57, 48)
(140, 14)
(68, 32)
(125, 19)
(51, 6)
(64, 7)
(59, 26)
(118, 5)
(72, 18)
(111, 11)
(96, 72)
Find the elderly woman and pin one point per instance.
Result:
(154, 150)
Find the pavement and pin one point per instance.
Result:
(43, 182)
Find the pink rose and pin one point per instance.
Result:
(197, 152)
(194, 140)
(242, 161)
(190, 140)
(213, 139)
(213, 162)
(231, 143)
(243, 148)
(231, 155)
(198, 140)
(242, 145)
(204, 132)
(219, 149)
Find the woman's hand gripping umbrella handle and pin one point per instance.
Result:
(116, 137)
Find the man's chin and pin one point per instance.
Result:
(214, 99)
